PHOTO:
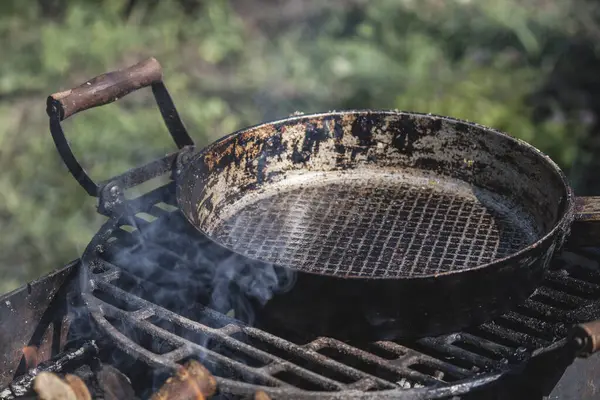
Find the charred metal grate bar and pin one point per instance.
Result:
(270, 365)
(246, 359)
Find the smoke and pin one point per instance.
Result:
(168, 263)
(241, 285)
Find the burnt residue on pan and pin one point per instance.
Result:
(301, 187)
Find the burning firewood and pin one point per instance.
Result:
(191, 382)
(260, 395)
(114, 384)
(30, 355)
(23, 385)
(49, 386)
(78, 386)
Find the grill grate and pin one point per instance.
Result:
(376, 227)
(246, 359)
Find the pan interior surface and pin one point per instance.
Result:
(374, 223)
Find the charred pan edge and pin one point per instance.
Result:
(355, 136)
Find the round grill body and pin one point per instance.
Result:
(407, 223)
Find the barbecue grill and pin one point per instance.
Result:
(150, 292)
(519, 355)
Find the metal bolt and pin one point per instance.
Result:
(185, 157)
(114, 191)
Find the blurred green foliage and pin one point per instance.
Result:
(229, 64)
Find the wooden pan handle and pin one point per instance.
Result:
(106, 88)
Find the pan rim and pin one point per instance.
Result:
(559, 229)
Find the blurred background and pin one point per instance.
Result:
(528, 67)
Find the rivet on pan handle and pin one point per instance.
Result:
(585, 338)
